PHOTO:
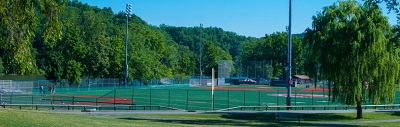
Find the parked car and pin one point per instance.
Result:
(264, 81)
(248, 81)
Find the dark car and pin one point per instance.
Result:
(264, 81)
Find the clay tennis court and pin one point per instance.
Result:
(86, 100)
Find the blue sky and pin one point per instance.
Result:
(245, 17)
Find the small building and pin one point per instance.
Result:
(301, 79)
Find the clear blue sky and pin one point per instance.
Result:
(245, 17)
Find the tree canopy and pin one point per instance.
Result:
(351, 43)
(273, 48)
(66, 39)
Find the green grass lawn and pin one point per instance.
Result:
(28, 118)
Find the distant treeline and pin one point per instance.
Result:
(70, 40)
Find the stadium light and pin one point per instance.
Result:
(128, 14)
(128, 9)
(289, 58)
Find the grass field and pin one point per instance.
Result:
(28, 118)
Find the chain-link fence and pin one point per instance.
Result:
(255, 69)
(63, 86)
(186, 99)
(15, 87)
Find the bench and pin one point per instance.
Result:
(288, 116)
(88, 110)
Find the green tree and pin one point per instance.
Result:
(390, 4)
(273, 48)
(117, 57)
(73, 50)
(52, 26)
(54, 68)
(73, 72)
(96, 61)
(18, 24)
(355, 54)
(147, 52)
(212, 54)
(189, 37)
(1, 66)
(61, 59)
(186, 65)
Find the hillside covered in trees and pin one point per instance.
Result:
(71, 40)
(350, 44)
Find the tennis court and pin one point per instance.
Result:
(179, 96)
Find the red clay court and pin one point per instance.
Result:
(87, 100)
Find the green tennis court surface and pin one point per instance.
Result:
(187, 98)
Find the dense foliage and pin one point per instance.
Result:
(351, 42)
(70, 40)
(273, 48)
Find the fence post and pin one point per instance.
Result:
(295, 99)
(133, 92)
(26, 99)
(213, 102)
(31, 102)
(244, 98)
(328, 102)
(52, 100)
(41, 98)
(187, 99)
(259, 98)
(150, 99)
(228, 100)
(115, 92)
(73, 102)
(277, 98)
(169, 97)
(312, 98)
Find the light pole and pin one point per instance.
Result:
(201, 50)
(289, 57)
(128, 14)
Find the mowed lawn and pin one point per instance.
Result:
(32, 118)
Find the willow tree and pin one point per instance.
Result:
(18, 23)
(17, 26)
(351, 43)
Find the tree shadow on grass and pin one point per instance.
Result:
(271, 120)
(250, 120)
(195, 122)
(394, 113)
(326, 117)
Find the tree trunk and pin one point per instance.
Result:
(359, 110)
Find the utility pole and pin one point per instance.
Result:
(128, 15)
(289, 58)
